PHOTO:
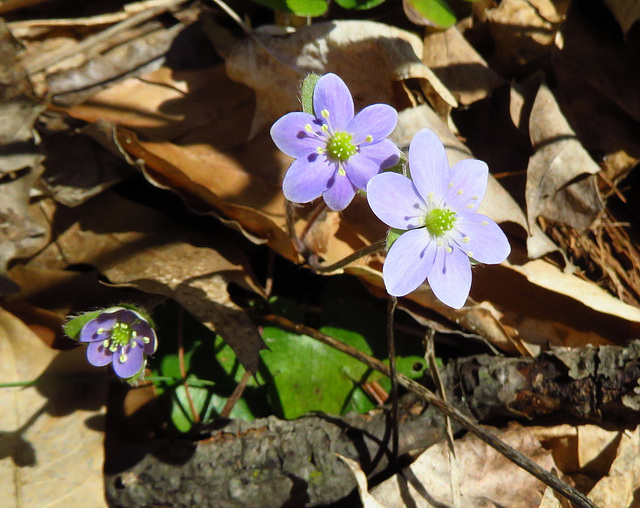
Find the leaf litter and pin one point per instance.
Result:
(202, 135)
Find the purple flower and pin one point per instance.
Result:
(122, 336)
(336, 153)
(437, 209)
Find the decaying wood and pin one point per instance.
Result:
(270, 462)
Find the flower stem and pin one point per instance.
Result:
(395, 410)
(365, 251)
(183, 372)
(315, 214)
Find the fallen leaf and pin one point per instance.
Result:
(273, 66)
(368, 501)
(561, 182)
(51, 441)
(487, 478)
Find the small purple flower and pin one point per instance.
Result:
(122, 336)
(437, 209)
(336, 153)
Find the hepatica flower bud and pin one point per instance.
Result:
(117, 335)
(336, 152)
(442, 231)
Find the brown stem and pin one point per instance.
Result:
(560, 486)
(315, 214)
(183, 371)
(365, 251)
(395, 410)
(235, 396)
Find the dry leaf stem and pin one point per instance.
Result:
(560, 486)
(365, 251)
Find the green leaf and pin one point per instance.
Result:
(299, 7)
(358, 4)
(74, 325)
(436, 11)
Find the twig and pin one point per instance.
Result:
(560, 486)
(235, 396)
(183, 372)
(395, 410)
(315, 214)
(365, 251)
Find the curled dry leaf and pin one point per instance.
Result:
(459, 66)
(561, 182)
(158, 256)
(52, 454)
(487, 478)
(274, 65)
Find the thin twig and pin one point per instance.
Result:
(560, 486)
(365, 251)
(235, 396)
(311, 220)
(395, 410)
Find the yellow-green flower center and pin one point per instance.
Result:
(121, 334)
(439, 221)
(340, 147)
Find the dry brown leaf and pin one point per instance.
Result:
(486, 477)
(368, 501)
(619, 489)
(459, 66)
(156, 255)
(274, 65)
(51, 445)
(626, 12)
(561, 182)
(523, 30)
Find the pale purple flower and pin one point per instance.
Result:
(120, 336)
(437, 208)
(336, 152)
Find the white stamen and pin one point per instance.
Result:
(324, 113)
(459, 192)
(469, 253)
(308, 128)
(449, 249)
(466, 239)
(470, 206)
(484, 223)
(475, 198)
(369, 138)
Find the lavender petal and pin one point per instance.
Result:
(408, 262)
(384, 153)
(395, 201)
(467, 185)
(450, 278)
(481, 238)
(307, 178)
(291, 137)
(332, 94)
(360, 170)
(98, 355)
(377, 121)
(143, 329)
(89, 331)
(340, 193)
(133, 363)
(429, 165)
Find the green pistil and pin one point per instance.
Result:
(439, 221)
(340, 147)
(121, 334)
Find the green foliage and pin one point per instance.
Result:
(74, 325)
(436, 11)
(299, 7)
(392, 235)
(306, 92)
(358, 4)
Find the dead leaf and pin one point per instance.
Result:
(159, 256)
(368, 501)
(523, 30)
(486, 477)
(560, 177)
(620, 487)
(51, 442)
(626, 12)
(274, 65)
(459, 66)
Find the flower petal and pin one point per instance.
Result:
(291, 137)
(134, 358)
(360, 170)
(98, 355)
(408, 262)
(395, 201)
(467, 185)
(385, 153)
(332, 94)
(340, 193)
(89, 331)
(143, 330)
(429, 165)
(307, 178)
(450, 278)
(481, 238)
(377, 121)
